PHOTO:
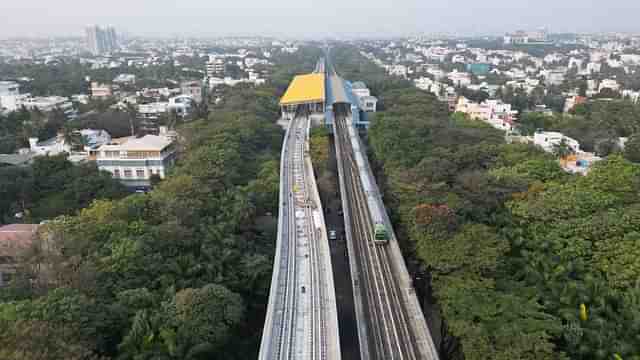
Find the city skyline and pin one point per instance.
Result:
(38, 18)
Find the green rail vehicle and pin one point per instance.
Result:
(381, 235)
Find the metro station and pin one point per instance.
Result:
(306, 92)
(321, 93)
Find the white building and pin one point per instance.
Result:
(633, 96)
(515, 73)
(92, 139)
(135, 160)
(214, 82)
(9, 95)
(100, 91)
(575, 62)
(359, 89)
(125, 79)
(397, 70)
(593, 67)
(459, 79)
(181, 104)
(251, 62)
(630, 59)
(609, 84)
(423, 83)
(438, 74)
(9, 88)
(555, 77)
(51, 147)
(80, 98)
(368, 103)
(549, 140)
(215, 67)
(493, 112)
(43, 104)
(152, 110)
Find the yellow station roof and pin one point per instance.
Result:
(304, 89)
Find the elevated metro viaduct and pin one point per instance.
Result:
(322, 92)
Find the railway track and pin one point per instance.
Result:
(301, 320)
(390, 333)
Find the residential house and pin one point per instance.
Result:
(125, 79)
(459, 79)
(135, 160)
(493, 112)
(609, 84)
(549, 140)
(101, 91)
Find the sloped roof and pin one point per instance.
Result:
(16, 237)
(305, 89)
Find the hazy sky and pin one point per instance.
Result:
(314, 17)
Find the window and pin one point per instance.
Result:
(140, 173)
(128, 173)
(116, 173)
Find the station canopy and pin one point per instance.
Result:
(305, 89)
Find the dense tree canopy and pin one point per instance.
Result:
(524, 260)
(52, 186)
(181, 272)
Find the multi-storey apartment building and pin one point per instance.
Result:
(135, 160)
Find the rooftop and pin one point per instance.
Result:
(145, 143)
(304, 89)
(358, 85)
(16, 159)
(15, 237)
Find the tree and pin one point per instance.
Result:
(205, 318)
(573, 258)
(632, 148)
(57, 326)
(181, 272)
(53, 186)
(562, 149)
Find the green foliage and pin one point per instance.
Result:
(18, 126)
(353, 66)
(53, 186)
(444, 163)
(632, 148)
(532, 121)
(117, 123)
(447, 181)
(576, 243)
(61, 78)
(193, 324)
(513, 245)
(182, 272)
(319, 148)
